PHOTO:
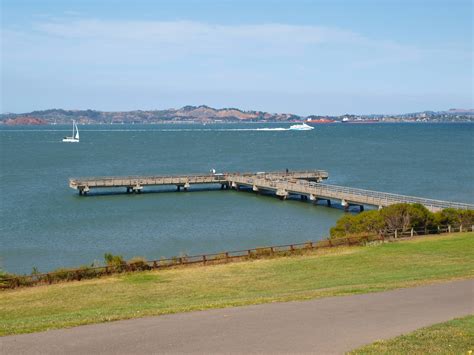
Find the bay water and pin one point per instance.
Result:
(45, 224)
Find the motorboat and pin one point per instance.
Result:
(301, 127)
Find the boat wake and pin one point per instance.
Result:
(276, 129)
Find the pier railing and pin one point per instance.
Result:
(217, 258)
(390, 197)
(225, 177)
(349, 194)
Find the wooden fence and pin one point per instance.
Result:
(78, 274)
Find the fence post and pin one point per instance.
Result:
(226, 256)
(396, 233)
(460, 228)
(204, 259)
(449, 228)
(472, 228)
(411, 232)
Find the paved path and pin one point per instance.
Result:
(324, 326)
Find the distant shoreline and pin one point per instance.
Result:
(208, 115)
(200, 123)
(204, 123)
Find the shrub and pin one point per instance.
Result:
(115, 261)
(454, 217)
(62, 274)
(139, 263)
(400, 216)
(262, 253)
(4, 283)
(420, 217)
(88, 272)
(396, 216)
(448, 216)
(466, 218)
(365, 222)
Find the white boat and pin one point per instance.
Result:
(75, 134)
(301, 127)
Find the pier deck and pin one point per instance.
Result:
(306, 184)
(136, 183)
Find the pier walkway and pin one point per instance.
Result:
(307, 184)
(136, 183)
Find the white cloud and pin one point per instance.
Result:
(184, 37)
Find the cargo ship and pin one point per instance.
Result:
(359, 120)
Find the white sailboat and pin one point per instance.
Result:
(75, 134)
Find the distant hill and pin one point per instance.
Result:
(24, 121)
(187, 113)
(204, 114)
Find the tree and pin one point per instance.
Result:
(396, 216)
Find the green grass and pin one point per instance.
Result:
(453, 337)
(331, 272)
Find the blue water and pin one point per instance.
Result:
(46, 224)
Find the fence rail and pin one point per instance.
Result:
(214, 258)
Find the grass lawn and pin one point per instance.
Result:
(453, 337)
(332, 272)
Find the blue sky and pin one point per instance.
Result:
(300, 56)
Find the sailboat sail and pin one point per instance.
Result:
(77, 132)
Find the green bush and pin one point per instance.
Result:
(365, 222)
(448, 216)
(466, 218)
(403, 217)
(116, 262)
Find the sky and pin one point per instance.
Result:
(327, 57)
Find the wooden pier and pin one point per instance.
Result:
(137, 183)
(306, 184)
